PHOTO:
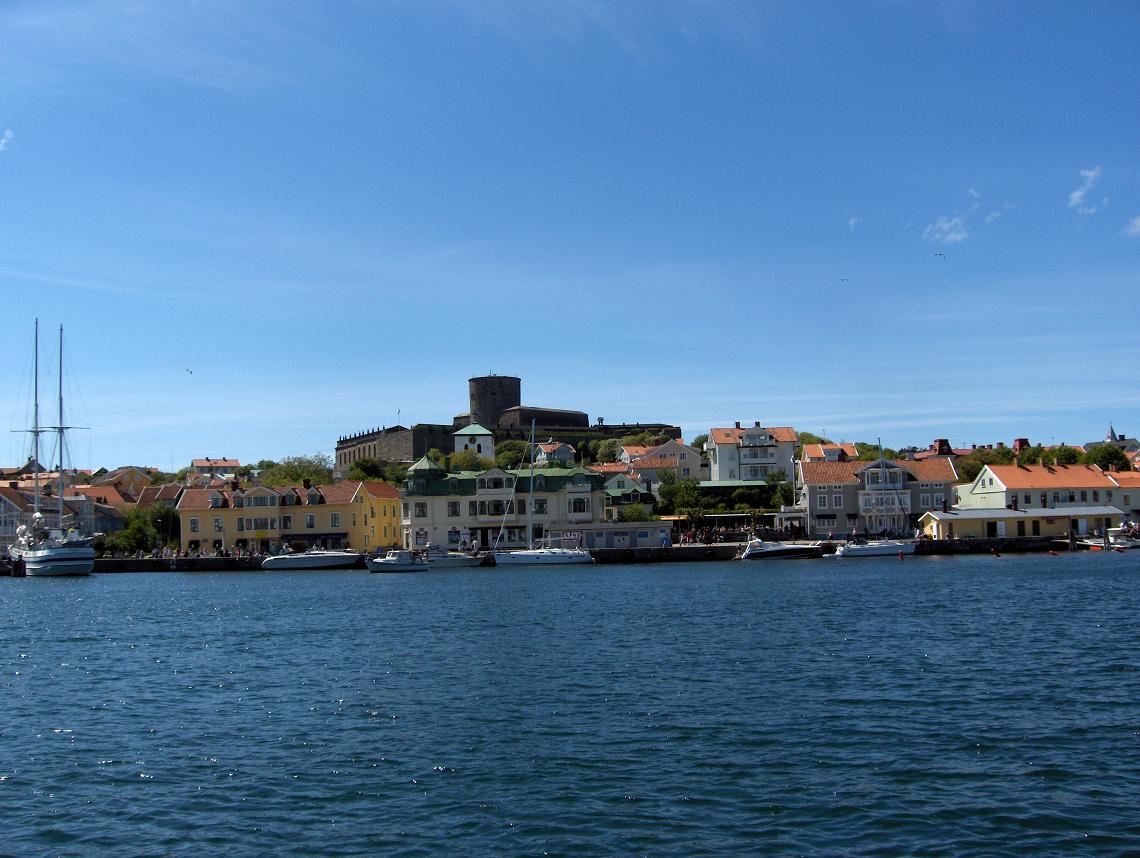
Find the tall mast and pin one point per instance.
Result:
(530, 499)
(59, 429)
(36, 423)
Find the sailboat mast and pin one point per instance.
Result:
(59, 429)
(36, 423)
(530, 494)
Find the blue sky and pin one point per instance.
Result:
(882, 219)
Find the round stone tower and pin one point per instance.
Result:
(491, 395)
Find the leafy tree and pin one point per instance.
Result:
(634, 512)
(609, 450)
(367, 469)
(161, 478)
(469, 460)
(1065, 455)
(511, 454)
(870, 452)
(638, 439)
(658, 440)
(699, 442)
(812, 438)
(296, 469)
(437, 456)
(1107, 457)
(1034, 455)
(970, 466)
(145, 530)
(679, 496)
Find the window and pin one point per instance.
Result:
(924, 501)
(822, 501)
(1084, 496)
(310, 520)
(939, 499)
(286, 522)
(453, 509)
(259, 500)
(261, 524)
(472, 508)
(1096, 496)
(406, 509)
(1027, 498)
(241, 525)
(520, 505)
(540, 506)
(421, 509)
(334, 519)
(482, 507)
(837, 502)
(218, 527)
(578, 505)
(193, 525)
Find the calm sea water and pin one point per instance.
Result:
(941, 706)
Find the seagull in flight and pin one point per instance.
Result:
(190, 371)
(844, 279)
(940, 253)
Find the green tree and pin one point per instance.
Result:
(699, 441)
(970, 466)
(609, 450)
(293, 470)
(435, 455)
(1034, 455)
(145, 530)
(1065, 455)
(1107, 457)
(469, 460)
(812, 438)
(367, 469)
(633, 512)
(161, 478)
(511, 454)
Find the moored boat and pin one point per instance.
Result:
(318, 558)
(440, 558)
(543, 556)
(876, 548)
(398, 560)
(758, 549)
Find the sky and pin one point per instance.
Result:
(264, 225)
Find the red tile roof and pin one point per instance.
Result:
(1051, 476)
(938, 470)
(103, 494)
(609, 467)
(215, 463)
(382, 490)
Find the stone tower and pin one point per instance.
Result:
(491, 395)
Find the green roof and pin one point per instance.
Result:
(473, 429)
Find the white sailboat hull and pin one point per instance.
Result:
(875, 548)
(312, 560)
(543, 557)
(56, 560)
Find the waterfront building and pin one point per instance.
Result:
(265, 518)
(482, 507)
(623, 490)
(162, 495)
(751, 454)
(17, 506)
(1036, 500)
(847, 497)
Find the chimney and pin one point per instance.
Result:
(757, 424)
(307, 483)
(737, 424)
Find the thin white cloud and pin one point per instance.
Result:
(996, 213)
(1133, 227)
(853, 222)
(947, 230)
(5, 138)
(1077, 197)
(973, 193)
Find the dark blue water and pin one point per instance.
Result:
(986, 706)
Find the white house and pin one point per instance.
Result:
(751, 454)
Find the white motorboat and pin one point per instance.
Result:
(398, 560)
(440, 558)
(876, 548)
(41, 548)
(758, 549)
(318, 558)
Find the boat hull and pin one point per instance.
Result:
(880, 548)
(543, 557)
(45, 562)
(779, 551)
(391, 566)
(312, 560)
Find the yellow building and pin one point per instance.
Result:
(1003, 523)
(350, 514)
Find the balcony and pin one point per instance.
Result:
(885, 502)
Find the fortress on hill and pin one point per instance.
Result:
(494, 402)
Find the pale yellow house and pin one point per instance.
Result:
(345, 515)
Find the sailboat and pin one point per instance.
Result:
(544, 554)
(44, 549)
(878, 547)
